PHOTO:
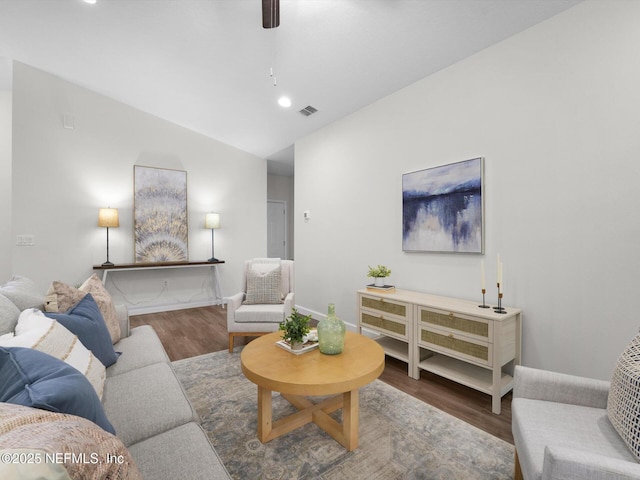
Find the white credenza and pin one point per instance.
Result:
(450, 337)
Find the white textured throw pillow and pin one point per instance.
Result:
(623, 404)
(264, 282)
(35, 330)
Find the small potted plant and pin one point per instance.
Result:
(295, 328)
(379, 274)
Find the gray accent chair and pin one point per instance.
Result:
(256, 320)
(561, 429)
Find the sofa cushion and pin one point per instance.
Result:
(24, 293)
(141, 348)
(156, 456)
(35, 379)
(85, 320)
(146, 401)
(9, 314)
(538, 423)
(98, 454)
(264, 284)
(34, 330)
(62, 297)
(260, 314)
(623, 403)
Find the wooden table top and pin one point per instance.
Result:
(312, 373)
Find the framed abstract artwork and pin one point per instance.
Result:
(160, 215)
(443, 208)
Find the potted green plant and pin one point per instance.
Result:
(295, 327)
(379, 274)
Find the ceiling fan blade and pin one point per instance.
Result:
(270, 13)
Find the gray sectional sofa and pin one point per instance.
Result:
(562, 428)
(151, 414)
(145, 403)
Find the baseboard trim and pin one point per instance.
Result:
(319, 316)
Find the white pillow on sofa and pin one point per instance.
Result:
(35, 330)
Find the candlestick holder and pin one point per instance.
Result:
(483, 304)
(499, 308)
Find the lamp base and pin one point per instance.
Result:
(213, 259)
(108, 264)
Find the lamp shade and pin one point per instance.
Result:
(212, 220)
(108, 217)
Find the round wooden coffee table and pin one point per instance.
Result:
(312, 374)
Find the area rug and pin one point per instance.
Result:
(400, 436)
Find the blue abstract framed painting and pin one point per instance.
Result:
(443, 208)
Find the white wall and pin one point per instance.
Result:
(5, 185)
(280, 187)
(554, 110)
(61, 177)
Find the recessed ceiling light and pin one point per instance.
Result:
(90, 1)
(284, 102)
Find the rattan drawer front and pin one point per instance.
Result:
(384, 306)
(478, 352)
(477, 327)
(384, 325)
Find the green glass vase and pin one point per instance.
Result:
(331, 332)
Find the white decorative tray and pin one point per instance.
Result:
(306, 347)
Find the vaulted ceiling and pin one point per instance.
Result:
(208, 65)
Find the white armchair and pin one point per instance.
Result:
(562, 430)
(255, 319)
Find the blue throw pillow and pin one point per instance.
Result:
(34, 379)
(85, 320)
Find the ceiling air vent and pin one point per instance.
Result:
(308, 110)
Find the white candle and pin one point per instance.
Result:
(499, 270)
(482, 275)
(501, 279)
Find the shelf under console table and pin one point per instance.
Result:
(129, 267)
(450, 337)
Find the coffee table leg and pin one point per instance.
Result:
(264, 414)
(350, 410)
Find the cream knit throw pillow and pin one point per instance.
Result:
(623, 404)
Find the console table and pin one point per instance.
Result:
(124, 267)
(450, 337)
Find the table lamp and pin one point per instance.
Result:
(108, 217)
(212, 221)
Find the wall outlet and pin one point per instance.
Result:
(25, 240)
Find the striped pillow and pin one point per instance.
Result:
(35, 330)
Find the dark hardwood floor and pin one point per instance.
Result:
(196, 331)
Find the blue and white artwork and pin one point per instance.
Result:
(442, 208)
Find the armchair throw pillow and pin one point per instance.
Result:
(264, 284)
